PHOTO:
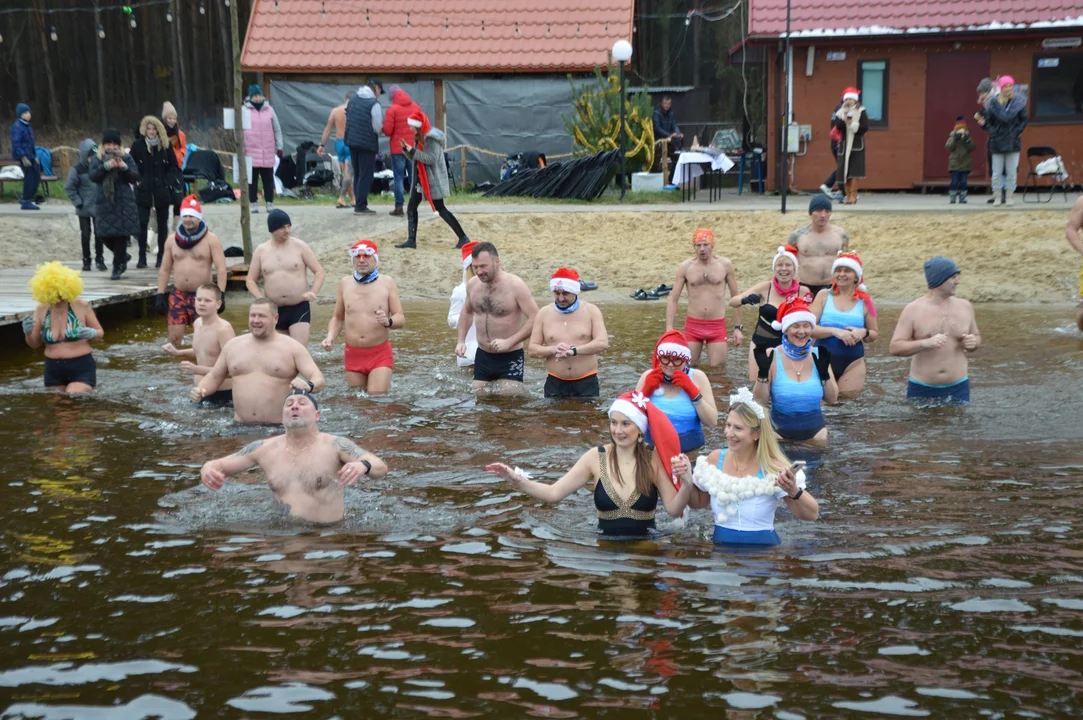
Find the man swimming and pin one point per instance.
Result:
(818, 244)
(210, 335)
(707, 278)
(569, 334)
(305, 468)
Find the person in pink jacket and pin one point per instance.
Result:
(396, 128)
(262, 142)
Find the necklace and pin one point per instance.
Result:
(796, 368)
(293, 454)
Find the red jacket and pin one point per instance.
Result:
(395, 125)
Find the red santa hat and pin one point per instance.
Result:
(793, 311)
(671, 345)
(468, 258)
(785, 251)
(646, 416)
(190, 207)
(364, 247)
(702, 235)
(851, 93)
(852, 261)
(565, 280)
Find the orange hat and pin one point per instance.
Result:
(703, 235)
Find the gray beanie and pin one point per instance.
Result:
(985, 86)
(819, 201)
(938, 270)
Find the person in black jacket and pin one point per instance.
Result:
(159, 179)
(364, 123)
(116, 218)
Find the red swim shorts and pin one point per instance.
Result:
(182, 307)
(705, 331)
(365, 360)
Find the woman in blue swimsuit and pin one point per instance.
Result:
(796, 377)
(846, 322)
(65, 325)
(682, 392)
(628, 476)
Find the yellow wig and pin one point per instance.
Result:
(53, 282)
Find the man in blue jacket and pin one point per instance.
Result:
(23, 152)
(364, 123)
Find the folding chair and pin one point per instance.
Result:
(1035, 155)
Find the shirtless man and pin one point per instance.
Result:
(368, 304)
(264, 365)
(1072, 233)
(189, 255)
(707, 278)
(818, 244)
(937, 331)
(337, 120)
(306, 469)
(209, 336)
(503, 310)
(569, 334)
(284, 262)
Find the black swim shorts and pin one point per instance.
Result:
(219, 398)
(584, 387)
(293, 314)
(61, 373)
(498, 366)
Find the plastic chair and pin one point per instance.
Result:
(1034, 156)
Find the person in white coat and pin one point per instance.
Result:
(458, 299)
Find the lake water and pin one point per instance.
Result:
(944, 577)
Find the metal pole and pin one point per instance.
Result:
(101, 68)
(786, 117)
(238, 135)
(622, 133)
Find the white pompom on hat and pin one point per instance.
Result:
(791, 312)
(565, 280)
(190, 207)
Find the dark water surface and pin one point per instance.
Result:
(944, 578)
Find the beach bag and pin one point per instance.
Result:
(214, 190)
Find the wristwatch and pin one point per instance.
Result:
(800, 492)
(311, 386)
(738, 327)
(574, 350)
(368, 466)
(390, 321)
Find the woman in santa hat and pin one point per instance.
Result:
(458, 299)
(682, 392)
(796, 377)
(852, 121)
(628, 476)
(769, 294)
(846, 320)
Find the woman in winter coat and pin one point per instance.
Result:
(159, 180)
(84, 196)
(429, 176)
(1004, 119)
(116, 217)
(262, 142)
(852, 122)
(179, 142)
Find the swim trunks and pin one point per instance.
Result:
(498, 366)
(815, 289)
(218, 398)
(182, 307)
(726, 536)
(581, 387)
(705, 331)
(342, 150)
(292, 314)
(365, 360)
(60, 373)
(956, 393)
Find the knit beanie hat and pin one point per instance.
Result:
(938, 270)
(960, 124)
(985, 86)
(168, 110)
(20, 109)
(819, 201)
(277, 219)
(254, 90)
(111, 135)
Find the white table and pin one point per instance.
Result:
(690, 166)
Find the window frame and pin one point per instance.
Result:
(883, 123)
(1033, 90)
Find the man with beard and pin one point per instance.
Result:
(499, 304)
(707, 278)
(265, 366)
(569, 334)
(818, 244)
(368, 305)
(307, 470)
(189, 255)
(937, 331)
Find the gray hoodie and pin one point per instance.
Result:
(82, 192)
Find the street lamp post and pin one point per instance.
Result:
(622, 53)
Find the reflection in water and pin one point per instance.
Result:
(943, 578)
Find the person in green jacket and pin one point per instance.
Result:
(959, 146)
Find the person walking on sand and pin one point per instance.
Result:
(1004, 120)
(65, 324)
(364, 122)
(569, 334)
(337, 120)
(24, 152)
(368, 305)
(846, 322)
(262, 143)
(707, 278)
(455, 309)
(210, 334)
(429, 178)
(852, 120)
(116, 216)
(84, 195)
(283, 262)
(1072, 232)
(398, 129)
(818, 244)
(960, 146)
(159, 183)
(307, 470)
(936, 332)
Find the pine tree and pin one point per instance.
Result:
(595, 123)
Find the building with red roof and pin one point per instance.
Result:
(918, 64)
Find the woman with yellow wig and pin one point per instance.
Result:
(65, 325)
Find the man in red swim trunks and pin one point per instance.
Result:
(368, 304)
(707, 278)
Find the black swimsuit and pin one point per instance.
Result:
(634, 516)
(765, 336)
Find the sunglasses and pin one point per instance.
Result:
(672, 359)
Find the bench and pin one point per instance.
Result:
(45, 179)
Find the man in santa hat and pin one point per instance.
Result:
(569, 334)
(818, 244)
(707, 278)
(368, 304)
(189, 256)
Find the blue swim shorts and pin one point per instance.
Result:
(342, 151)
(956, 393)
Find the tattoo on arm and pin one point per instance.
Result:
(349, 447)
(797, 235)
(249, 448)
(845, 240)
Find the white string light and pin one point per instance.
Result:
(52, 33)
(101, 31)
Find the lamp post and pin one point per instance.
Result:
(622, 53)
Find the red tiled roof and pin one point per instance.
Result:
(433, 36)
(767, 18)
